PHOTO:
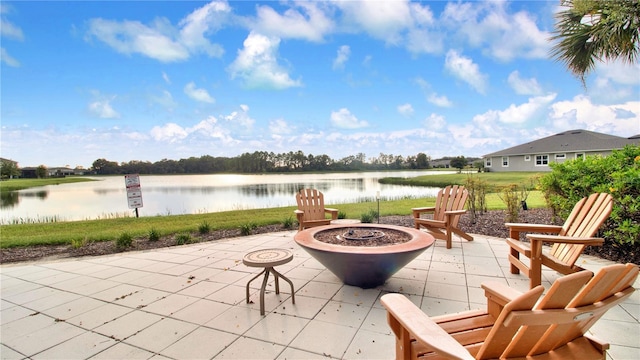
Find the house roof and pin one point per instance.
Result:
(569, 141)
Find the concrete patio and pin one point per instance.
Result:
(188, 302)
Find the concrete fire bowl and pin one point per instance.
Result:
(364, 266)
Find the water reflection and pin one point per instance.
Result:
(188, 194)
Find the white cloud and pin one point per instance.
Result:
(257, 64)
(101, 107)
(504, 36)
(8, 30)
(8, 59)
(619, 72)
(405, 109)
(161, 40)
(439, 100)
(280, 127)
(581, 113)
(166, 78)
(385, 20)
(170, 133)
(202, 21)
(342, 57)
(344, 119)
(515, 114)
(241, 117)
(524, 86)
(466, 70)
(434, 122)
(312, 24)
(165, 100)
(198, 94)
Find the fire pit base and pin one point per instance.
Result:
(365, 267)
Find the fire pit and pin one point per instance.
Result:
(365, 255)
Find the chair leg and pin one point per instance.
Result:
(515, 254)
(449, 242)
(535, 270)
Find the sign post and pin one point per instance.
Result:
(134, 192)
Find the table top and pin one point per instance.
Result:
(267, 257)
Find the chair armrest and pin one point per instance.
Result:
(498, 295)
(417, 211)
(534, 227)
(333, 212)
(455, 212)
(298, 212)
(421, 327)
(592, 241)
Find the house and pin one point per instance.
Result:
(538, 154)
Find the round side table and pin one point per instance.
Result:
(267, 259)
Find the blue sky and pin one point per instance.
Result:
(150, 80)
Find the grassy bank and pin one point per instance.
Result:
(494, 179)
(111, 229)
(20, 184)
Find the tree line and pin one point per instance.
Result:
(263, 162)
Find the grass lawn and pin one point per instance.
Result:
(20, 184)
(110, 229)
(495, 180)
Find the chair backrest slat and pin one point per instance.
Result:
(311, 201)
(500, 336)
(566, 312)
(584, 221)
(452, 197)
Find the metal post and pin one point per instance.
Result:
(378, 198)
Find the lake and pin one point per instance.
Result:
(193, 194)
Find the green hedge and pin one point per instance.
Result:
(617, 174)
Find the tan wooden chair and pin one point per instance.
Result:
(516, 324)
(311, 211)
(568, 240)
(446, 214)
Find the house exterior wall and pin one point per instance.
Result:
(533, 162)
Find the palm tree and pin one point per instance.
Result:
(590, 30)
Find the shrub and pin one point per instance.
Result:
(154, 235)
(617, 174)
(511, 197)
(342, 215)
(124, 241)
(288, 222)
(78, 243)
(369, 216)
(247, 229)
(184, 238)
(204, 228)
(477, 201)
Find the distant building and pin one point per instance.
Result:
(538, 154)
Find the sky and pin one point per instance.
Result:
(153, 80)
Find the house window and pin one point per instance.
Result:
(505, 161)
(542, 160)
(487, 162)
(527, 158)
(580, 156)
(561, 156)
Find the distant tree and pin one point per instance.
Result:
(41, 172)
(422, 161)
(8, 169)
(590, 30)
(479, 165)
(459, 163)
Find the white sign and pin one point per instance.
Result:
(134, 192)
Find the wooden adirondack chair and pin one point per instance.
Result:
(311, 211)
(516, 324)
(446, 214)
(568, 243)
